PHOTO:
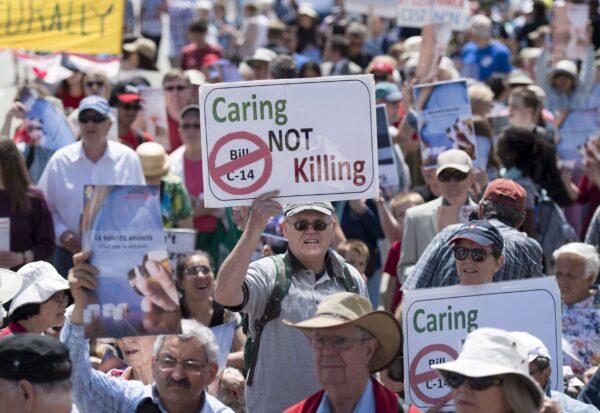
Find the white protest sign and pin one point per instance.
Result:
(5, 234)
(381, 8)
(436, 321)
(311, 139)
(179, 241)
(224, 337)
(418, 13)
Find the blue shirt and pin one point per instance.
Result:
(366, 403)
(480, 63)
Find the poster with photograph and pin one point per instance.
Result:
(445, 119)
(136, 293)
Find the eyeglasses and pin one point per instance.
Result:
(131, 107)
(92, 116)
(455, 380)
(194, 270)
(60, 297)
(186, 126)
(92, 83)
(337, 343)
(177, 88)
(448, 175)
(477, 254)
(303, 225)
(189, 366)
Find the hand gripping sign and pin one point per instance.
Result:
(310, 139)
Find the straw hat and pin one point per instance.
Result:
(348, 308)
(40, 282)
(154, 159)
(10, 283)
(494, 352)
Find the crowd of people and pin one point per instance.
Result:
(315, 289)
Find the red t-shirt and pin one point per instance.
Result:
(391, 266)
(134, 138)
(12, 328)
(192, 55)
(174, 137)
(195, 186)
(71, 101)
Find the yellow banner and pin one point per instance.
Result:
(77, 26)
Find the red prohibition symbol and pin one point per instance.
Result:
(416, 379)
(218, 172)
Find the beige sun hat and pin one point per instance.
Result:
(494, 352)
(454, 159)
(154, 159)
(143, 46)
(349, 308)
(566, 67)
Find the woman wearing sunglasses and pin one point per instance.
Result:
(196, 286)
(477, 248)
(491, 375)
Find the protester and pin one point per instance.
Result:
(178, 94)
(193, 54)
(127, 99)
(35, 374)
(503, 205)
(245, 286)
(350, 342)
(41, 301)
(591, 393)
(577, 267)
(339, 63)
(10, 284)
(260, 61)
(137, 355)
(491, 375)
(139, 54)
(93, 160)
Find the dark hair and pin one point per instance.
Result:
(530, 99)
(339, 44)
(179, 268)
(146, 63)
(502, 213)
(24, 312)
(483, 128)
(14, 176)
(498, 83)
(310, 65)
(283, 67)
(198, 26)
(525, 147)
(539, 9)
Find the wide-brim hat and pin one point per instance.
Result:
(10, 284)
(40, 282)
(261, 55)
(154, 159)
(351, 309)
(493, 352)
(565, 67)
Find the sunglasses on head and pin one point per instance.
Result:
(452, 175)
(172, 88)
(91, 116)
(477, 254)
(186, 126)
(317, 225)
(93, 83)
(455, 380)
(197, 269)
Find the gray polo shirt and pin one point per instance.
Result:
(284, 372)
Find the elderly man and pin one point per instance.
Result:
(350, 342)
(35, 375)
(286, 286)
(503, 205)
(183, 365)
(540, 368)
(577, 266)
(93, 160)
(422, 222)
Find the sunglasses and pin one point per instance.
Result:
(131, 107)
(93, 117)
(455, 380)
(317, 225)
(194, 270)
(172, 88)
(92, 83)
(477, 254)
(447, 176)
(186, 126)
(60, 297)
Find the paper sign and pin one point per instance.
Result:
(435, 322)
(179, 241)
(82, 26)
(445, 119)
(310, 139)
(136, 294)
(578, 16)
(381, 8)
(224, 335)
(576, 129)
(155, 112)
(388, 169)
(418, 13)
(5, 234)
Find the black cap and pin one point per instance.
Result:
(34, 357)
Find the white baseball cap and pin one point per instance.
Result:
(40, 282)
(535, 347)
(454, 159)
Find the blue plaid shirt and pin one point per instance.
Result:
(94, 391)
(436, 266)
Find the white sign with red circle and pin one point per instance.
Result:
(311, 139)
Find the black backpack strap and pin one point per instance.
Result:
(283, 281)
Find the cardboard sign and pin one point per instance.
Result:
(5, 234)
(418, 13)
(381, 8)
(445, 119)
(310, 139)
(435, 322)
(136, 294)
(388, 168)
(574, 132)
(82, 26)
(179, 241)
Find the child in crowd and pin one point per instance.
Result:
(356, 253)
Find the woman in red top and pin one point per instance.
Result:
(70, 91)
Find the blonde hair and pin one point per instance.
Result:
(94, 73)
(404, 197)
(481, 97)
(519, 396)
(355, 245)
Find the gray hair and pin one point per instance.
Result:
(520, 397)
(193, 329)
(585, 251)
